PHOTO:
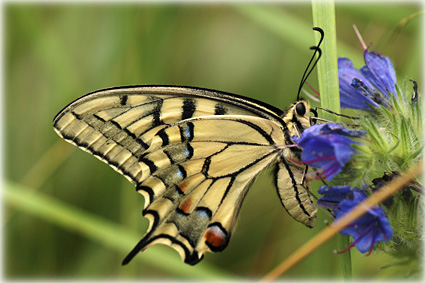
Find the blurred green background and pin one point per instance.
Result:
(69, 216)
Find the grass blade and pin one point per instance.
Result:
(100, 230)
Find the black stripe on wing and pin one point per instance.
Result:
(294, 186)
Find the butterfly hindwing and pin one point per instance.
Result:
(289, 174)
(193, 195)
(295, 197)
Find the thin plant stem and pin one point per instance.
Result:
(346, 267)
(327, 68)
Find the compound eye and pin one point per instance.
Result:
(300, 108)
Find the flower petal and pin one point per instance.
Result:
(337, 129)
(327, 147)
(343, 150)
(368, 229)
(349, 96)
(380, 72)
(332, 196)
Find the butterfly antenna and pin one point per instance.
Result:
(308, 70)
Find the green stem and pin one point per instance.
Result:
(327, 68)
(343, 243)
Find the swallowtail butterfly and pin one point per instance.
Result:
(192, 153)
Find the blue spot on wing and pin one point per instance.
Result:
(186, 152)
(179, 174)
(187, 132)
(203, 213)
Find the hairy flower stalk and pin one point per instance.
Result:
(388, 139)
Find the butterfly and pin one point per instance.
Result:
(193, 153)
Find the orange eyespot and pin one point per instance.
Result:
(216, 238)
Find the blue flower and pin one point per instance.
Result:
(332, 196)
(380, 72)
(366, 231)
(371, 85)
(327, 147)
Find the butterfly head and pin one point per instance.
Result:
(297, 117)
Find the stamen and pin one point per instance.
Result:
(328, 172)
(351, 245)
(382, 231)
(331, 170)
(361, 236)
(322, 158)
(359, 36)
(310, 96)
(318, 176)
(308, 180)
(373, 243)
(312, 88)
(347, 248)
(309, 174)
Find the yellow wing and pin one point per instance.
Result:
(192, 153)
(117, 125)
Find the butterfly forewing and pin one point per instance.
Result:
(117, 125)
(192, 153)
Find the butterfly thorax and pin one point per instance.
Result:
(296, 119)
